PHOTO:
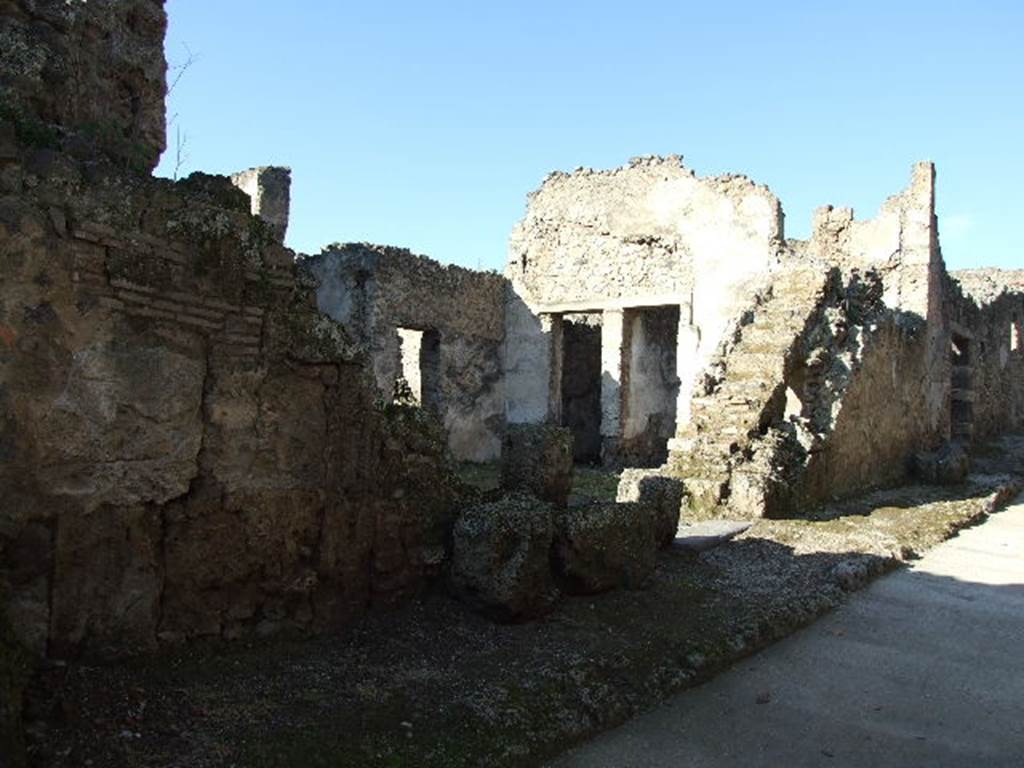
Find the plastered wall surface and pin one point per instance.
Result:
(375, 290)
(648, 234)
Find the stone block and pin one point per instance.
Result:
(537, 458)
(500, 558)
(947, 465)
(663, 495)
(604, 545)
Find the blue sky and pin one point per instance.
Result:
(426, 124)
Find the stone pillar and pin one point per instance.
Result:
(612, 356)
(687, 365)
(269, 189)
(555, 327)
(526, 358)
(921, 287)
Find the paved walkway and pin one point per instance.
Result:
(923, 668)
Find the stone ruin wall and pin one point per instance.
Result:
(90, 72)
(876, 416)
(171, 398)
(377, 290)
(891, 393)
(987, 306)
(269, 190)
(649, 234)
(901, 243)
(862, 377)
(189, 449)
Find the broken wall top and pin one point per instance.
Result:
(901, 241)
(985, 286)
(86, 76)
(409, 290)
(269, 190)
(646, 228)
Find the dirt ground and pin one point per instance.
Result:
(433, 684)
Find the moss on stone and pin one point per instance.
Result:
(30, 132)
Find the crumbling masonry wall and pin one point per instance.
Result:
(269, 190)
(895, 390)
(187, 447)
(987, 310)
(86, 75)
(377, 290)
(835, 373)
(649, 234)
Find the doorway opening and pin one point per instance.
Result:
(961, 400)
(581, 384)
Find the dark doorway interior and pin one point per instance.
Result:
(430, 370)
(961, 395)
(581, 384)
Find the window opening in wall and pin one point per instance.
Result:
(581, 384)
(419, 379)
(1015, 333)
(959, 350)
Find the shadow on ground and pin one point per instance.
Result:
(432, 684)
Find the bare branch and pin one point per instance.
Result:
(180, 151)
(179, 70)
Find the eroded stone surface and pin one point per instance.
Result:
(86, 75)
(601, 546)
(947, 465)
(189, 448)
(384, 294)
(501, 557)
(664, 495)
(537, 459)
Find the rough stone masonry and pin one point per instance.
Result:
(187, 447)
(198, 436)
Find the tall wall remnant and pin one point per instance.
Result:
(804, 369)
(383, 294)
(650, 236)
(269, 191)
(187, 447)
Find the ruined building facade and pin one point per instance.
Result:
(668, 322)
(197, 429)
(788, 372)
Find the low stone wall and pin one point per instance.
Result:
(377, 290)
